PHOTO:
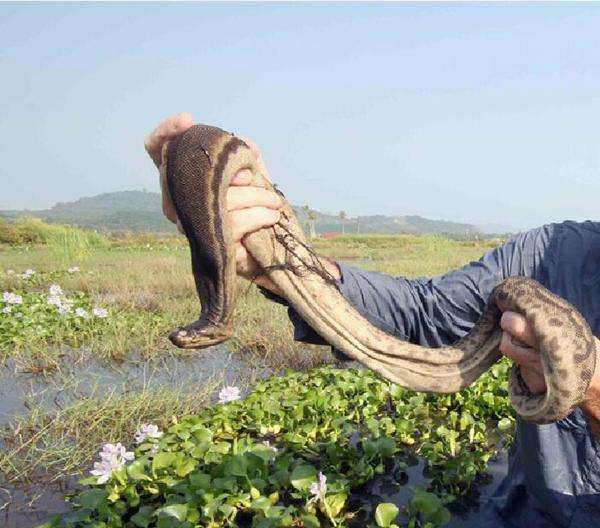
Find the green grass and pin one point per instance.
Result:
(149, 287)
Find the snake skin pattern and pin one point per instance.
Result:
(197, 168)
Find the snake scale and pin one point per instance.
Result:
(196, 170)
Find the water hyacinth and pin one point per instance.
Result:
(112, 457)
(7, 309)
(100, 312)
(10, 271)
(229, 394)
(80, 312)
(147, 431)
(55, 290)
(12, 298)
(54, 300)
(74, 269)
(28, 273)
(318, 489)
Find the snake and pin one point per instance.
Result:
(196, 170)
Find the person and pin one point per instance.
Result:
(553, 477)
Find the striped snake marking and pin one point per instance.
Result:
(197, 168)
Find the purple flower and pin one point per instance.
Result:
(147, 431)
(80, 312)
(318, 489)
(28, 273)
(100, 312)
(229, 394)
(12, 298)
(55, 290)
(112, 457)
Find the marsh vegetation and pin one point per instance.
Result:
(85, 362)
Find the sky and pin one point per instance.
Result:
(478, 113)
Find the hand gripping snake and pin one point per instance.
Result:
(196, 170)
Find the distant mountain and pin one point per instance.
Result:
(137, 211)
(141, 211)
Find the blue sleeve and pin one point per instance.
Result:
(437, 311)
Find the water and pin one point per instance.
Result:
(26, 506)
(395, 486)
(22, 392)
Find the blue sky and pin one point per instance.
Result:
(483, 113)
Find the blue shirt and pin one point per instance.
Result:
(553, 476)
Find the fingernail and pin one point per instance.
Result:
(244, 176)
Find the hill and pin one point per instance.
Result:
(140, 211)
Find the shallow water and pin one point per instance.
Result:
(395, 487)
(26, 506)
(21, 391)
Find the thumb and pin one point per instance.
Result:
(518, 327)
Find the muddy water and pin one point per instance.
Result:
(21, 392)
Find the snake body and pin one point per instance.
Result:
(197, 168)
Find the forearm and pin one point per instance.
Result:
(591, 406)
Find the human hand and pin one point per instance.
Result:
(518, 344)
(250, 207)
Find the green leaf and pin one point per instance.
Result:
(303, 476)
(310, 521)
(505, 425)
(176, 511)
(143, 517)
(237, 466)
(335, 503)
(386, 513)
(162, 460)
(91, 499)
(137, 470)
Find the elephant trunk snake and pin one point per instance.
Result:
(196, 170)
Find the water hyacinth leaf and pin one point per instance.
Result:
(92, 499)
(163, 460)
(237, 466)
(310, 521)
(131, 495)
(143, 517)
(505, 425)
(175, 511)
(334, 504)
(386, 514)
(185, 466)
(386, 446)
(200, 481)
(303, 476)
(429, 504)
(137, 470)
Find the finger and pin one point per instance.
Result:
(247, 177)
(246, 266)
(526, 357)
(244, 197)
(534, 379)
(167, 129)
(516, 325)
(257, 152)
(251, 219)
